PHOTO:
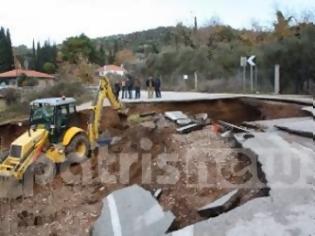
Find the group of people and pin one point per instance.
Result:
(131, 86)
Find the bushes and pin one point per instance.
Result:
(69, 89)
(11, 96)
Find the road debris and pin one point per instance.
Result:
(234, 127)
(175, 115)
(220, 205)
(201, 116)
(157, 193)
(132, 211)
(311, 110)
(189, 128)
(184, 122)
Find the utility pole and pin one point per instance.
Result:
(196, 81)
(244, 78)
(277, 79)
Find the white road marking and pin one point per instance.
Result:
(114, 215)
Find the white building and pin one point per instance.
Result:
(111, 69)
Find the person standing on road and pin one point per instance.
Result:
(117, 88)
(157, 87)
(150, 86)
(130, 87)
(123, 88)
(137, 85)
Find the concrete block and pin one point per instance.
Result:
(175, 115)
(220, 205)
(132, 211)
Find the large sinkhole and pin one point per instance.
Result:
(220, 157)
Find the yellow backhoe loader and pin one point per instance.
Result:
(51, 136)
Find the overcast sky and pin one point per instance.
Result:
(59, 19)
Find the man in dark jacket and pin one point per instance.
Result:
(130, 86)
(157, 87)
(117, 88)
(137, 85)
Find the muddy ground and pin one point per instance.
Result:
(71, 203)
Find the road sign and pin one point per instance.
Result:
(243, 61)
(251, 60)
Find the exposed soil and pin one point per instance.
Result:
(73, 201)
(231, 110)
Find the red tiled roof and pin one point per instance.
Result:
(111, 68)
(28, 73)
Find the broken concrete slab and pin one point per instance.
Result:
(289, 210)
(220, 205)
(183, 122)
(175, 115)
(311, 110)
(201, 116)
(132, 211)
(304, 128)
(189, 128)
(234, 127)
(227, 134)
(269, 125)
(157, 193)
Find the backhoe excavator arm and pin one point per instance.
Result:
(104, 91)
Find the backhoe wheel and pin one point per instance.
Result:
(44, 171)
(78, 149)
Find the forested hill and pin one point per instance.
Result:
(137, 40)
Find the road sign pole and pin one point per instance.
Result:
(256, 78)
(196, 81)
(244, 78)
(251, 78)
(277, 79)
(251, 62)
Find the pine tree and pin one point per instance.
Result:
(10, 58)
(38, 56)
(6, 53)
(33, 60)
(195, 24)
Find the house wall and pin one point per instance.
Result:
(103, 73)
(43, 83)
(8, 82)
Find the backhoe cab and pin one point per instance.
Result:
(52, 114)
